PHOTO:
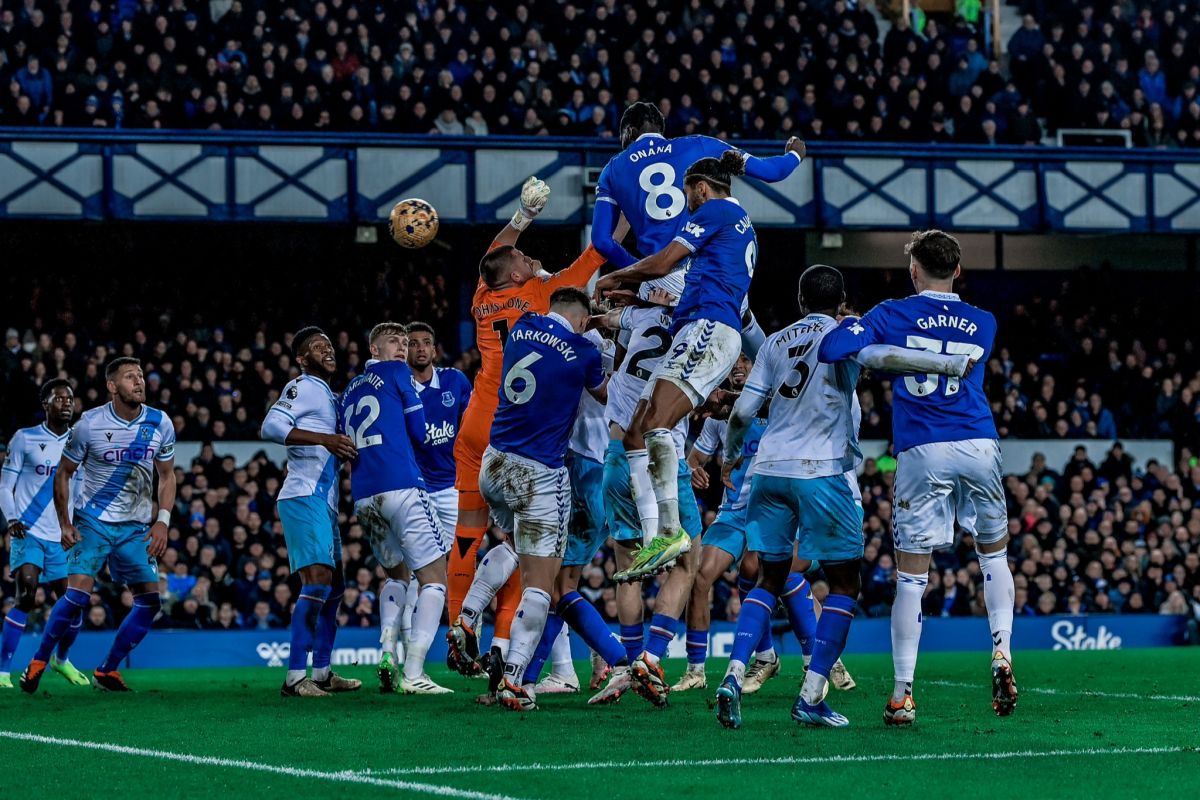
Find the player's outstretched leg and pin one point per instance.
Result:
(998, 597)
(907, 621)
(584, 619)
(552, 634)
(135, 627)
(63, 615)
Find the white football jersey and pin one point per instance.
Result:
(118, 460)
(649, 341)
(27, 481)
(813, 430)
(589, 436)
(309, 404)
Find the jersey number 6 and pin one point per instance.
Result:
(520, 372)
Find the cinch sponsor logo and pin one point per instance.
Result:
(137, 452)
(45, 469)
(1069, 636)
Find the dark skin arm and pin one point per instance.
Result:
(338, 444)
(62, 501)
(649, 268)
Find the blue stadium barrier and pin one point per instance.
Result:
(170, 648)
(349, 178)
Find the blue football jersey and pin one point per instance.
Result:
(381, 411)
(445, 398)
(724, 251)
(547, 366)
(927, 408)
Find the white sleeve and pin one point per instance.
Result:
(712, 436)
(901, 360)
(166, 450)
(9, 475)
(282, 417)
(761, 381)
(77, 442)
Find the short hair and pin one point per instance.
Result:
(115, 365)
(492, 262)
(937, 252)
(421, 327)
(387, 329)
(639, 118)
(303, 336)
(822, 288)
(49, 386)
(569, 295)
(719, 172)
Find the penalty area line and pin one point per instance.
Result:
(782, 761)
(1082, 693)
(342, 776)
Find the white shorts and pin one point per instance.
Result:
(402, 526)
(528, 500)
(701, 356)
(937, 482)
(445, 505)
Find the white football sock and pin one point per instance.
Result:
(527, 627)
(294, 676)
(738, 670)
(767, 655)
(426, 615)
(501, 645)
(664, 476)
(642, 489)
(391, 605)
(560, 655)
(998, 596)
(410, 604)
(906, 629)
(494, 571)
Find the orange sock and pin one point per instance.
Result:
(507, 600)
(462, 566)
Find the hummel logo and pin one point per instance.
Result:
(856, 329)
(108, 436)
(996, 639)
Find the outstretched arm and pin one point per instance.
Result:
(605, 219)
(535, 194)
(648, 268)
(902, 360)
(776, 168)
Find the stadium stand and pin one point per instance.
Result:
(823, 70)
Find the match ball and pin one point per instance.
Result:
(413, 223)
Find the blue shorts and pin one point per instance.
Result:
(310, 531)
(827, 511)
(623, 522)
(122, 544)
(587, 528)
(49, 557)
(728, 532)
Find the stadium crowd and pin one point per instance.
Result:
(823, 69)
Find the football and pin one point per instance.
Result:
(413, 223)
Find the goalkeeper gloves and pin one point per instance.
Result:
(535, 194)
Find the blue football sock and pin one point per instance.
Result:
(68, 639)
(304, 623)
(662, 631)
(326, 629)
(832, 629)
(767, 642)
(14, 626)
(752, 621)
(554, 624)
(631, 640)
(133, 629)
(745, 586)
(697, 646)
(799, 604)
(585, 620)
(65, 613)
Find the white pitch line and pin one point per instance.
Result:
(343, 776)
(781, 760)
(1169, 698)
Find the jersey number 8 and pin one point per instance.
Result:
(663, 188)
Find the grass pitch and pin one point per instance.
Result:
(1089, 724)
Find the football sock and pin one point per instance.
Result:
(662, 631)
(68, 638)
(906, 629)
(65, 613)
(495, 569)
(133, 629)
(697, 647)
(664, 477)
(554, 626)
(326, 630)
(631, 640)
(797, 598)
(998, 597)
(585, 620)
(461, 568)
(642, 489)
(14, 626)
(304, 628)
(410, 605)
(507, 600)
(527, 627)
(744, 585)
(427, 613)
(392, 596)
(561, 663)
(755, 616)
(832, 630)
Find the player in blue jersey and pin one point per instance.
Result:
(122, 446)
(305, 419)
(27, 503)
(548, 364)
(383, 415)
(719, 241)
(948, 462)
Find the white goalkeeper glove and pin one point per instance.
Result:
(535, 194)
